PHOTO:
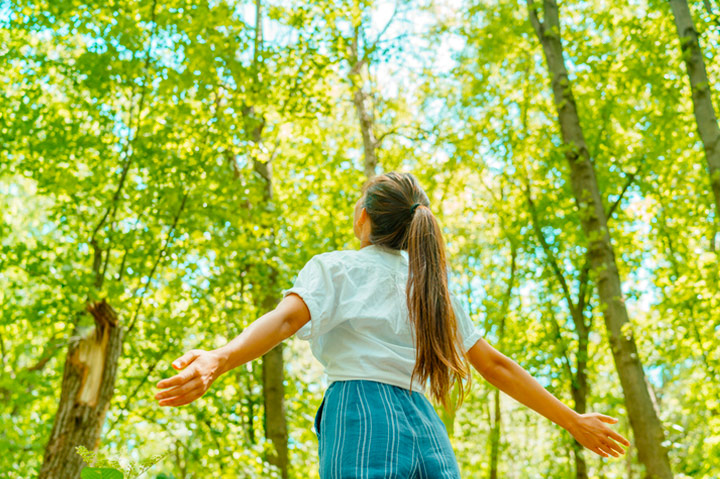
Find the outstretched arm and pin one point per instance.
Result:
(201, 368)
(502, 372)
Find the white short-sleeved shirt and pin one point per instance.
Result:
(359, 326)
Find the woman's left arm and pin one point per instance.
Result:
(201, 368)
(502, 372)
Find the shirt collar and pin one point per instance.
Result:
(383, 249)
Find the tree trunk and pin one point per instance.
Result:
(707, 122)
(579, 387)
(366, 129)
(274, 403)
(87, 388)
(495, 436)
(273, 378)
(497, 416)
(273, 368)
(578, 380)
(364, 116)
(644, 420)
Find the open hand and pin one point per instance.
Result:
(200, 369)
(591, 431)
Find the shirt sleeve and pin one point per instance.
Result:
(469, 333)
(316, 286)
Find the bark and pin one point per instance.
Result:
(579, 387)
(705, 117)
(364, 116)
(497, 416)
(578, 380)
(369, 142)
(274, 421)
(273, 368)
(87, 388)
(274, 403)
(495, 436)
(644, 419)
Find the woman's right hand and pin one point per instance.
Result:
(591, 431)
(199, 370)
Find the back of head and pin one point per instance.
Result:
(401, 218)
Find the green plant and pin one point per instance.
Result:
(101, 466)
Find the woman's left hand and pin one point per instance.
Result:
(591, 431)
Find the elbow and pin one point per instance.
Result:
(490, 363)
(291, 314)
(493, 369)
(287, 328)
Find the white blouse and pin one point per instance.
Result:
(359, 326)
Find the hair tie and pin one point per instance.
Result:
(413, 207)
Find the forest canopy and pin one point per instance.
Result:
(167, 168)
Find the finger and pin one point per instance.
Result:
(611, 448)
(601, 452)
(179, 390)
(186, 359)
(177, 380)
(607, 419)
(182, 400)
(617, 447)
(618, 438)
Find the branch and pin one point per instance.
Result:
(53, 346)
(508, 292)
(127, 151)
(584, 283)
(382, 32)
(546, 248)
(395, 131)
(137, 388)
(713, 16)
(160, 256)
(2, 353)
(631, 177)
(122, 265)
(258, 40)
(38, 366)
(534, 20)
(355, 57)
(562, 345)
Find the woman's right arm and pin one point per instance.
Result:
(201, 368)
(502, 372)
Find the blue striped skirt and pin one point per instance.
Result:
(372, 430)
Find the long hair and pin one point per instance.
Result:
(401, 219)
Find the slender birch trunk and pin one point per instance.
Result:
(495, 431)
(644, 419)
(705, 117)
(365, 119)
(273, 366)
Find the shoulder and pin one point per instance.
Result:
(337, 255)
(455, 301)
(335, 261)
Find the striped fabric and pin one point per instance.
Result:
(372, 430)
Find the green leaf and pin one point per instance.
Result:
(100, 473)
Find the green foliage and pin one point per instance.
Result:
(100, 473)
(132, 130)
(104, 466)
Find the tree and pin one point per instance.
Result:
(705, 116)
(646, 425)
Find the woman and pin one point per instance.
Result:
(385, 327)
